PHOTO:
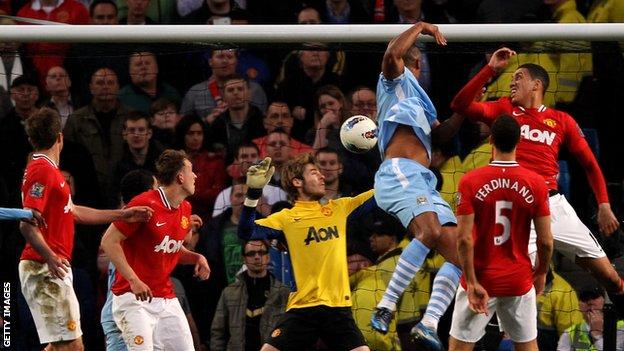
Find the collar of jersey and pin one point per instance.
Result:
(38, 156)
(308, 204)
(163, 198)
(541, 108)
(504, 163)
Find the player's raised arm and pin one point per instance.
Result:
(392, 65)
(111, 244)
(258, 176)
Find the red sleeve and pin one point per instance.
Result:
(577, 145)
(129, 229)
(542, 207)
(36, 188)
(464, 198)
(464, 102)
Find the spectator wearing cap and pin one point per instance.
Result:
(367, 285)
(278, 116)
(13, 138)
(588, 335)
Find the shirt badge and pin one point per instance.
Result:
(184, 222)
(550, 122)
(36, 190)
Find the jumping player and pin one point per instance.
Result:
(145, 307)
(497, 204)
(544, 131)
(405, 187)
(44, 268)
(314, 231)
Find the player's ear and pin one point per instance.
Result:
(297, 182)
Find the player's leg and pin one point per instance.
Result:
(53, 305)
(518, 318)
(467, 327)
(136, 320)
(269, 347)
(339, 331)
(402, 189)
(172, 331)
(297, 329)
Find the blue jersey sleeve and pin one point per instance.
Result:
(248, 229)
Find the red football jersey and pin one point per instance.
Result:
(44, 189)
(504, 198)
(152, 248)
(543, 132)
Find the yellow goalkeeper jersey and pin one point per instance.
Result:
(316, 238)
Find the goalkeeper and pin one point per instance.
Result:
(314, 231)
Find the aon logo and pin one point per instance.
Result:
(169, 245)
(541, 136)
(321, 234)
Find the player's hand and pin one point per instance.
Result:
(478, 299)
(500, 59)
(607, 222)
(58, 267)
(141, 290)
(259, 175)
(539, 282)
(196, 222)
(434, 31)
(37, 220)
(299, 113)
(202, 270)
(137, 214)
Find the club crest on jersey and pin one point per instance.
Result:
(421, 200)
(550, 122)
(276, 333)
(138, 340)
(326, 211)
(36, 190)
(169, 245)
(184, 222)
(72, 325)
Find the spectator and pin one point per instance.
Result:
(279, 151)
(206, 96)
(140, 151)
(331, 166)
(246, 155)
(103, 12)
(218, 12)
(137, 13)
(343, 12)
(557, 310)
(13, 138)
(587, 335)
(240, 121)
(248, 309)
(208, 166)
(5, 103)
(58, 85)
(302, 74)
(279, 116)
(98, 127)
(164, 118)
(309, 15)
(48, 55)
(145, 87)
(160, 11)
(13, 61)
(363, 102)
(367, 284)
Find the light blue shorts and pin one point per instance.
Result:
(405, 189)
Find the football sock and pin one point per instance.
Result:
(442, 294)
(410, 261)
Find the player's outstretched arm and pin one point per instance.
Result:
(477, 295)
(445, 131)
(544, 252)
(88, 215)
(58, 266)
(392, 64)
(111, 244)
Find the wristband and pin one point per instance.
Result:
(254, 194)
(251, 202)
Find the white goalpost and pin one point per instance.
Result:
(303, 33)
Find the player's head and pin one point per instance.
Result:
(256, 256)
(302, 179)
(173, 168)
(44, 129)
(136, 182)
(528, 81)
(505, 134)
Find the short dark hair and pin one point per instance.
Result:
(235, 76)
(264, 242)
(590, 293)
(162, 104)
(24, 80)
(134, 183)
(183, 127)
(537, 72)
(169, 164)
(328, 150)
(101, 2)
(505, 133)
(134, 116)
(246, 144)
(43, 128)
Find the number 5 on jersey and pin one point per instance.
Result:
(503, 220)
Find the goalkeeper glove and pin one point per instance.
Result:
(258, 176)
